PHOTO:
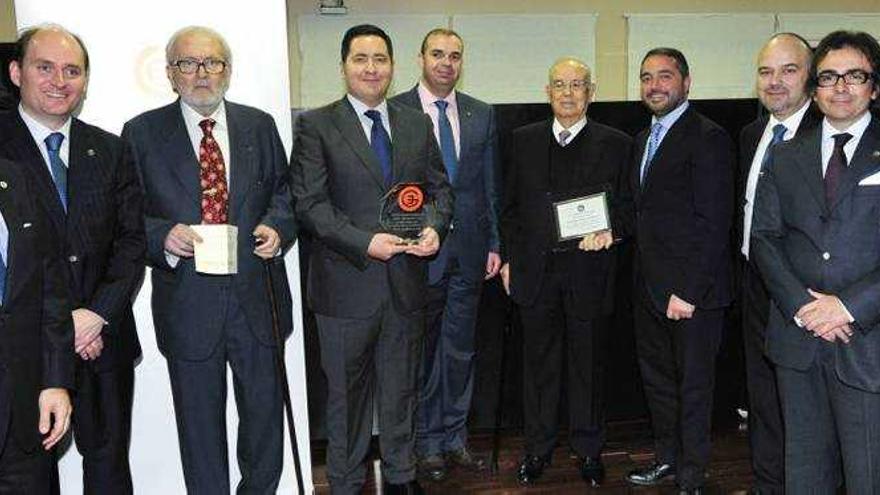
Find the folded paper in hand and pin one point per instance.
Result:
(217, 253)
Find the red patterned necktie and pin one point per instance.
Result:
(212, 176)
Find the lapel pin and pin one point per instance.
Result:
(90, 152)
(3, 184)
(876, 154)
(26, 225)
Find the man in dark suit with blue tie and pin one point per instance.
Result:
(783, 70)
(465, 130)
(205, 160)
(816, 242)
(84, 178)
(367, 286)
(36, 339)
(681, 178)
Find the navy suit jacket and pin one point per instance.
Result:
(684, 210)
(36, 330)
(102, 234)
(800, 242)
(475, 215)
(189, 308)
(338, 184)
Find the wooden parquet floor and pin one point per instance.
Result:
(628, 446)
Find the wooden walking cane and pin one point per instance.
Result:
(281, 368)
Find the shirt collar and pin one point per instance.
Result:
(793, 121)
(668, 120)
(193, 118)
(361, 107)
(39, 131)
(428, 98)
(574, 129)
(856, 129)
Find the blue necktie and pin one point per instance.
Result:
(3, 275)
(778, 133)
(59, 170)
(381, 144)
(447, 140)
(653, 144)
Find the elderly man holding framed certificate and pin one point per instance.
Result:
(561, 214)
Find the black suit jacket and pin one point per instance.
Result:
(337, 183)
(749, 138)
(475, 186)
(800, 242)
(683, 213)
(189, 308)
(528, 223)
(36, 330)
(102, 233)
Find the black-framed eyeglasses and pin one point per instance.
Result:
(191, 65)
(576, 85)
(855, 77)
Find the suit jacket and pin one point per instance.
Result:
(683, 213)
(528, 222)
(749, 138)
(36, 330)
(800, 242)
(102, 233)
(189, 308)
(475, 214)
(337, 183)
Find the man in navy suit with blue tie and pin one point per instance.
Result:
(465, 130)
(205, 160)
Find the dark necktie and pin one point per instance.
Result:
(59, 170)
(653, 144)
(447, 140)
(836, 168)
(778, 133)
(212, 176)
(381, 144)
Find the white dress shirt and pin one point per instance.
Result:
(574, 129)
(40, 132)
(360, 109)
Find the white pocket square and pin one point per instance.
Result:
(871, 180)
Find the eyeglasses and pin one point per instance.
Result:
(576, 85)
(855, 77)
(191, 66)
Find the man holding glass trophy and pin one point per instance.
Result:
(561, 216)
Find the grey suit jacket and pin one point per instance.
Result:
(799, 242)
(188, 307)
(337, 182)
(476, 187)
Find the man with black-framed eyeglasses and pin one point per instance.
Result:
(816, 242)
(207, 161)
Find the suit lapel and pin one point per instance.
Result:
(21, 147)
(639, 151)
(241, 161)
(466, 130)
(400, 135)
(13, 223)
(673, 140)
(349, 125)
(181, 159)
(80, 168)
(808, 158)
(865, 161)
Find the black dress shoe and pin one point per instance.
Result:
(431, 467)
(531, 468)
(652, 475)
(410, 488)
(592, 471)
(466, 459)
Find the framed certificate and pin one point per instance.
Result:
(580, 216)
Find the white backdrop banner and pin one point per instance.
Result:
(126, 42)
